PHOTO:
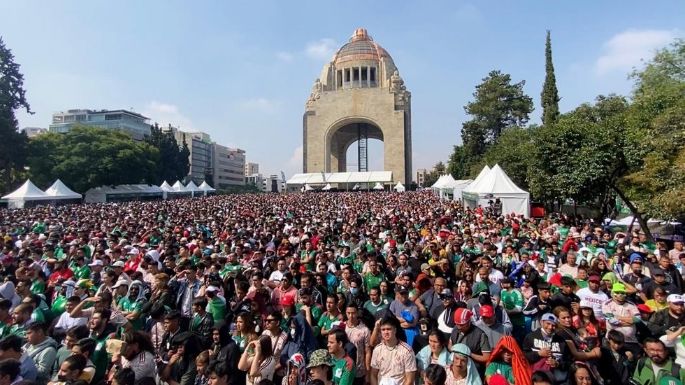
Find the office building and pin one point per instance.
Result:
(136, 125)
(251, 168)
(229, 166)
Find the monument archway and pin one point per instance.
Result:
(359, 96)
(343, 135)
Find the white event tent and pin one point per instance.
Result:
(28, 192)
(206, 188)
(446, 185)
(194, 190)
(59, 191)
(493, 184)
(399, 187)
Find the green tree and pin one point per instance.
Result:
(550, 94)
(498, 105)
(513, 152)
(12, 97)
(434, 174)
(457, 163)
(174, 163)
(657, 126)
(88, 157)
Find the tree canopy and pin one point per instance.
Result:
(87, 157)
(12, 97)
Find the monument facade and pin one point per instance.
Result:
(359, 96)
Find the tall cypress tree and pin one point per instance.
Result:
(550, 94)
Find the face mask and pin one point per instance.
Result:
(292, 333)
(354, 290)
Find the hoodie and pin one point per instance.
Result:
(43, 355)
(301, 341)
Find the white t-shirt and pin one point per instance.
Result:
(596, 299)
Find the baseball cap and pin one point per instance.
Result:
(675, 298)
(288, 300)
(594, 278)
(618, 288)
(402, 289)
(549, 317)
(635, 257)
(212, 288)
(462, 316)
(121, 282)
(118, 264)
(320, 357)
(446, 293)
(585, 303)
(96, 262)
(487, 311)
(644, 309)
(657, 272)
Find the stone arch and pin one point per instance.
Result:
(341, 135)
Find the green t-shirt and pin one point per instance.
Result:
(4, 330)
(500, 368)
(231, 270)
(581, 283)
(217, 308)
(371, 281)
(18, 330)
(326, 321)
(38, 287)
(316, 316)
(81, 272)
(59, 305)
(343, 371)
(126, 305)
(349, 260)
(374, 309)
(511, 299)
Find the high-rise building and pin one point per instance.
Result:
(421, 177)
(229, 166)
(251, 168)
(136, 125)
(273, 183)
(200, 158)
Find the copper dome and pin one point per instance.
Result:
(360, 47)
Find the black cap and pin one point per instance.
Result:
(657, 272)
(402, 289)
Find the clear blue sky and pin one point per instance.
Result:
(242, 71)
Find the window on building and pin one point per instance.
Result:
(372, 75)
(113, 117)
(355, 74)
(340, 78)
(69, 118)
(364, 74)
(347, 75)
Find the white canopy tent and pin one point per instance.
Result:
(60, 191)
(496, 184)
(378, 187)
(123, 193)
(179, 189)
(206, 188)
(308, 187)
(458, 187)
(28, 192)
(166, 189)
(327, 187)
(340, 180)
(194, 190)
(399, 187)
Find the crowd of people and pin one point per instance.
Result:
(333, 289)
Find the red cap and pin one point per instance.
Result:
(644, 308)
(498, 379)
(594, 278)
(487, 311)
(462, 316)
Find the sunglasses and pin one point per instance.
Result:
(270, 320)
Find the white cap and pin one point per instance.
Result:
(133, 251)
(675, 298)
(121, 282)
(212, 288)
(118, 264)
(96, 262)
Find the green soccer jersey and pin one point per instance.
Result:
(343, 371)
(217, 308)
(371, 281)
(500, 368)
(81, 272)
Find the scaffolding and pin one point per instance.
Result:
(362, 147)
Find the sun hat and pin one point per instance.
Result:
(320, 357)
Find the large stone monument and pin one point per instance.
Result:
(359, 95)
